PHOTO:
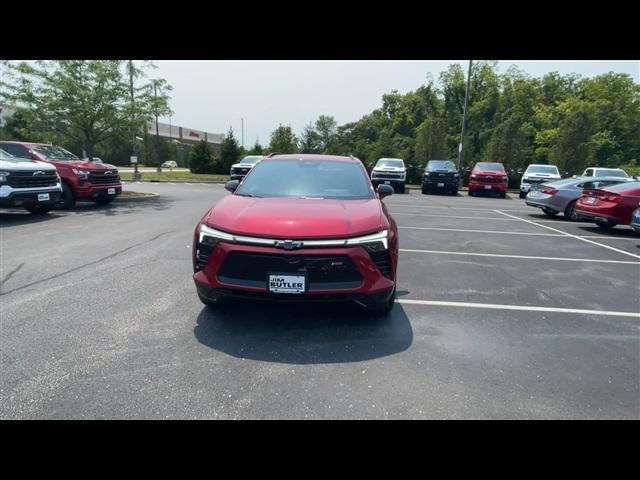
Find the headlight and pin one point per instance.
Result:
(3, 176)
(426, 174)
(81, 173)
(373, 243)
(474, 176)
(211, 236)
(456, 175)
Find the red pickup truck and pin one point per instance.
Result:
(81, 179)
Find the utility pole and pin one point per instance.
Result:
(242, 129)
(136, 173)
(464, 119)
(155, 106)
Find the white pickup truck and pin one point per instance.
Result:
(28, 183)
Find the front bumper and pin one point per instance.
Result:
(445, 184)
(388, 181)
(93, 191)
(13, 197)
(488, 186)
(371, 284)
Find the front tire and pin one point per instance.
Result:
(210, 303)
(425, 190)
(68, 198)
(503, 195)
(523, 194)
(385, 308)
(39, 209)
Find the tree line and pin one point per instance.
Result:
(566, 120)
(512, 118)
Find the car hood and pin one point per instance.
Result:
(87, 165)
(389, 169)
(29, 166)
(291, 218)
(489, 173)
(541, 175)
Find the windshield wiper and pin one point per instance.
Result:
(248, 195)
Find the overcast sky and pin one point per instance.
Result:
(213, 95)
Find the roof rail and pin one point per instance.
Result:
(272, 154)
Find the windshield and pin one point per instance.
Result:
(623, 186)
(563, 182)
(307, 178)
(494, 167)
(7, 157)
(53, 152)
(611, 172)
(388, 162)
(551, 169)
(440, 165)
(251, 160)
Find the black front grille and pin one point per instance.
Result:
(537, 180)
(29, 180)
(392, 176)
(100, 179)
(489, 179)
(383, 260)
(240, 171)
(321, 270)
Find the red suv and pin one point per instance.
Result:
(81, 179)
(488, 177)
(299, 227)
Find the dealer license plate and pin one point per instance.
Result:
(111, 191)
(277, 283)
(43, 197)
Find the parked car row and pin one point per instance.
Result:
(28, 168)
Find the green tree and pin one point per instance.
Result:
(201, 158)
(257, 149)
(325, 128)
(83, 102)
(283, 140)
(310, 140)
(229, 153)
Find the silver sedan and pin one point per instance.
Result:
(561, 195)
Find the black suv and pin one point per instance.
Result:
(440, 175)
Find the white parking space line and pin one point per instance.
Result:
(573, 236)
(520, 257)
(483, 231)
(453, 216)
(527, 308)
(429, 206)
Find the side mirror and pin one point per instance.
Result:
(385, 190)
(232, 185)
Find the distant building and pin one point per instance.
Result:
(189, 136)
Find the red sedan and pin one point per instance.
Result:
(299, 227)
(609, 206)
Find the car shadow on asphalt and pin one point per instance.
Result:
(303, 334)
(13, 217)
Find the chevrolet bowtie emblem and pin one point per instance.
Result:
(288, 244)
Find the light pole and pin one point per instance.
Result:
(242, 130)
(136, 173)
(464, 119)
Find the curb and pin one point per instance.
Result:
(147, 196)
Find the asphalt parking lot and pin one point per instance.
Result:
(502, 312)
